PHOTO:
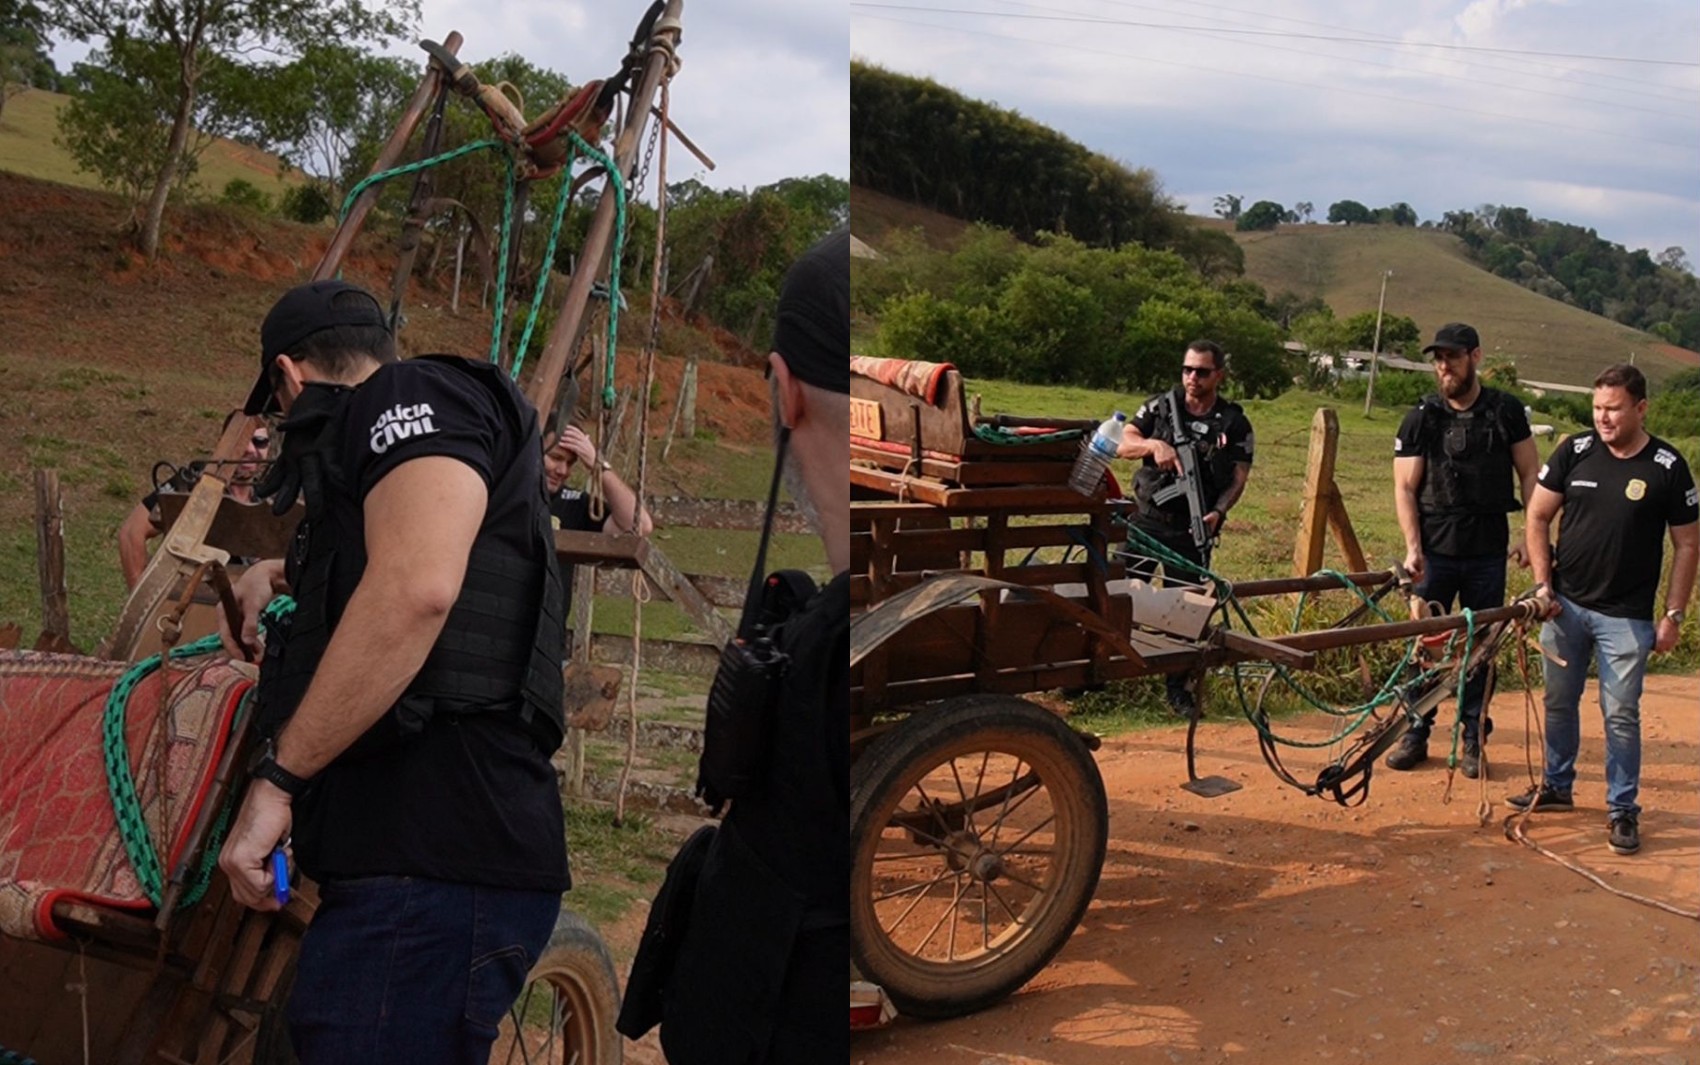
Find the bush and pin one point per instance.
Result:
(305, 203)
(246, 195)
(1672, 414)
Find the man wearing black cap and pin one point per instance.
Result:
(410, 703)
(760, 976)
(1456, 459)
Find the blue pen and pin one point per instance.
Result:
(280, 876)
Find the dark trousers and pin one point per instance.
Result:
(1179, 540)
(398, 970)
(1476, 582)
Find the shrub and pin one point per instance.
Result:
(239, 192)
(305, 203)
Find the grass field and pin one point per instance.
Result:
(30, 123)
(1434, 283)
(1260, 536)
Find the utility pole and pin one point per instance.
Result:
(1375, 349)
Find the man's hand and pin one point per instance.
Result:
(573, 439)
(261, 825)
(1163, 454)
(256, 588)
(1665, 635)
(1415, 566)
(1519, 555)
(1213, 520)
(1550, 606)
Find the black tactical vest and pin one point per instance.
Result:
(501, 645)
(1468, 466)
(1209, 434)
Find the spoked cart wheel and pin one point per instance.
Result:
(978, 829)
(565, 1015)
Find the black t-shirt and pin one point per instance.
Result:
(1484, 532)
(471, 797)
(570, 509)
(1224, 439)
(1612, 528)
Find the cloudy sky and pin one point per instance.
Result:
(1323, 100)
(763, 89)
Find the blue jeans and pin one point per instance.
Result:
(1478, 583)
(398, 969)
(1620, 648)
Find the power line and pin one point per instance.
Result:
(1389, 41)
(1222, 72)
(1270, 33)
(1475, 82)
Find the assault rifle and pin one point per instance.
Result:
(1190, 480)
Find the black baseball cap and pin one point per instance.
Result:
(1454, 336)
(812, 333)
(297, 315)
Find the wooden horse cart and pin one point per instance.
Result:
(978, 817)
(119, 941)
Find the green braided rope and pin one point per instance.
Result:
(121, 783)
(617, 182)
(502, 260)
(409, 168)
(993, 434)
(561, 203)
(1388, 692)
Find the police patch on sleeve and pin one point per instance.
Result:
(401, 422)
(1399, 445)
(1665, 457)
(1543, 474)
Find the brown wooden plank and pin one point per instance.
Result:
(1267, 650)
(1341, 524)
(1037, 500)
(602, 549)
(246, 530)
(1319, 478)
(970, 472)
(661, 572)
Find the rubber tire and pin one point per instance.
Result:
(577, 963)
(910, 750)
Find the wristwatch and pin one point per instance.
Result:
(265, 767)
(1675, 614)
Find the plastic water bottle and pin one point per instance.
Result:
(1095, 455)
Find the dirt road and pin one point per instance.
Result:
(1265, 926)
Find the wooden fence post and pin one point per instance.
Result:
(1324, 507)
(50, 561)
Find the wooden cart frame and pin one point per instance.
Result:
(978, 818)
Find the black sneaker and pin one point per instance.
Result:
(1412, 751)
(1625, 834)
(1541, 798)
(1471, 764)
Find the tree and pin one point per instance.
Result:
(1262, 215)
(1213, 253)
(1305, 209)
(1349, 212)
(1399, 214)
(24, 62)
(203, 38)
(334, 107)
(1228, 207)
(1675, 258)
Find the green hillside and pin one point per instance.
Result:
(30, 123)
(1434, 282)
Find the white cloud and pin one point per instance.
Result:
(1317, 118)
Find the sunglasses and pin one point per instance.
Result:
(1198, 371)
(260, 442)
